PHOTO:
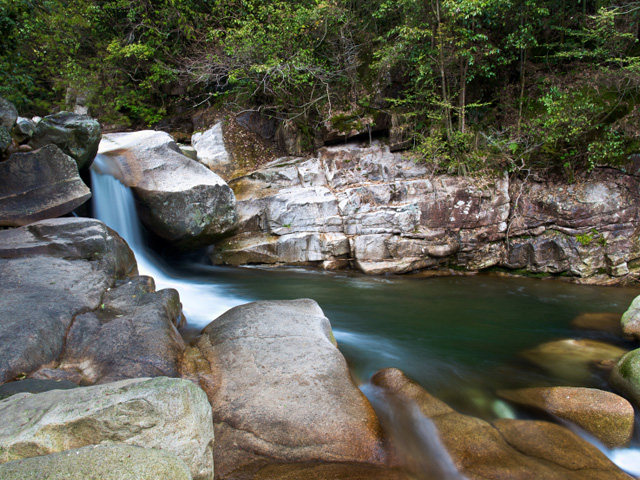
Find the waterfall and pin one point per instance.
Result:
(113, 203)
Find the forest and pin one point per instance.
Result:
(470, 85)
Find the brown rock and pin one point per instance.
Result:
(281, 391)
(509, 449)
(325, 471)
(604, 415)
(39, 185)
(571, 359)
(599, 321)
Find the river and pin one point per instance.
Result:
(460, 337)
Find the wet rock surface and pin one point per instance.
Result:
(281, 391)
(513, 449)
(179, 199)
(605, 415)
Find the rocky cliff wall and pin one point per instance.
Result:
(361, 205)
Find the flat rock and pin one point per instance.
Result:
(281, 391)
(160, 413)
(132, 334)
(604, 415)
(570, 359)
(507, 449)
(179, 199)
(76, 135)
(52, 271)
(39, 185)
(103, 462)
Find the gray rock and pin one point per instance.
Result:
(76, 135)
(52, 271)
(160, 413)
(39, 185)
(8, 114)
(23, 129)
(281, 391)
(99, 462)
(132, 334)
(211, 151)
(5, 139)
(180, 200)
(625, 376)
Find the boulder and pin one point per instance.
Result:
(571, 360)
(630, 320)
(211, 151)
(77, 135)
(281, 391)
(325, 471)
(132, 334)
(606, 322)
(513, 449)
(625, 376)
(8, 114)
(159, 413)
(39, 185)
(104, 462)
(52, 271)
(5, 139)
(179, 200)
(605, 415)
(24, 129)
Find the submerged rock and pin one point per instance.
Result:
(604, 415)
(39, 185)
(76, 135)
(106, 462)
(281, 391)
(571, 360)
(179, 199)
(513, 449)
(160, 413)
(606, 322)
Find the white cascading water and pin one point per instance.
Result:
(203, 302)
(113, 203)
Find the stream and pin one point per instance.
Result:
(459, 337)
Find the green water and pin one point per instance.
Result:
(459, 337)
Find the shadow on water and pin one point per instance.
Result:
(458, 337)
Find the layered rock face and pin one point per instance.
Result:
(383, 213)
(179, 199)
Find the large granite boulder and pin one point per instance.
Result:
(52, 271)
(179, 199)
(8, 114)
(132, 334)
(211, 151)
(506, 449)
(77, 135)
(281, 391)
(572, 360)
(604, 415)
(104, 462)
(39, 185)
(160, 413)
